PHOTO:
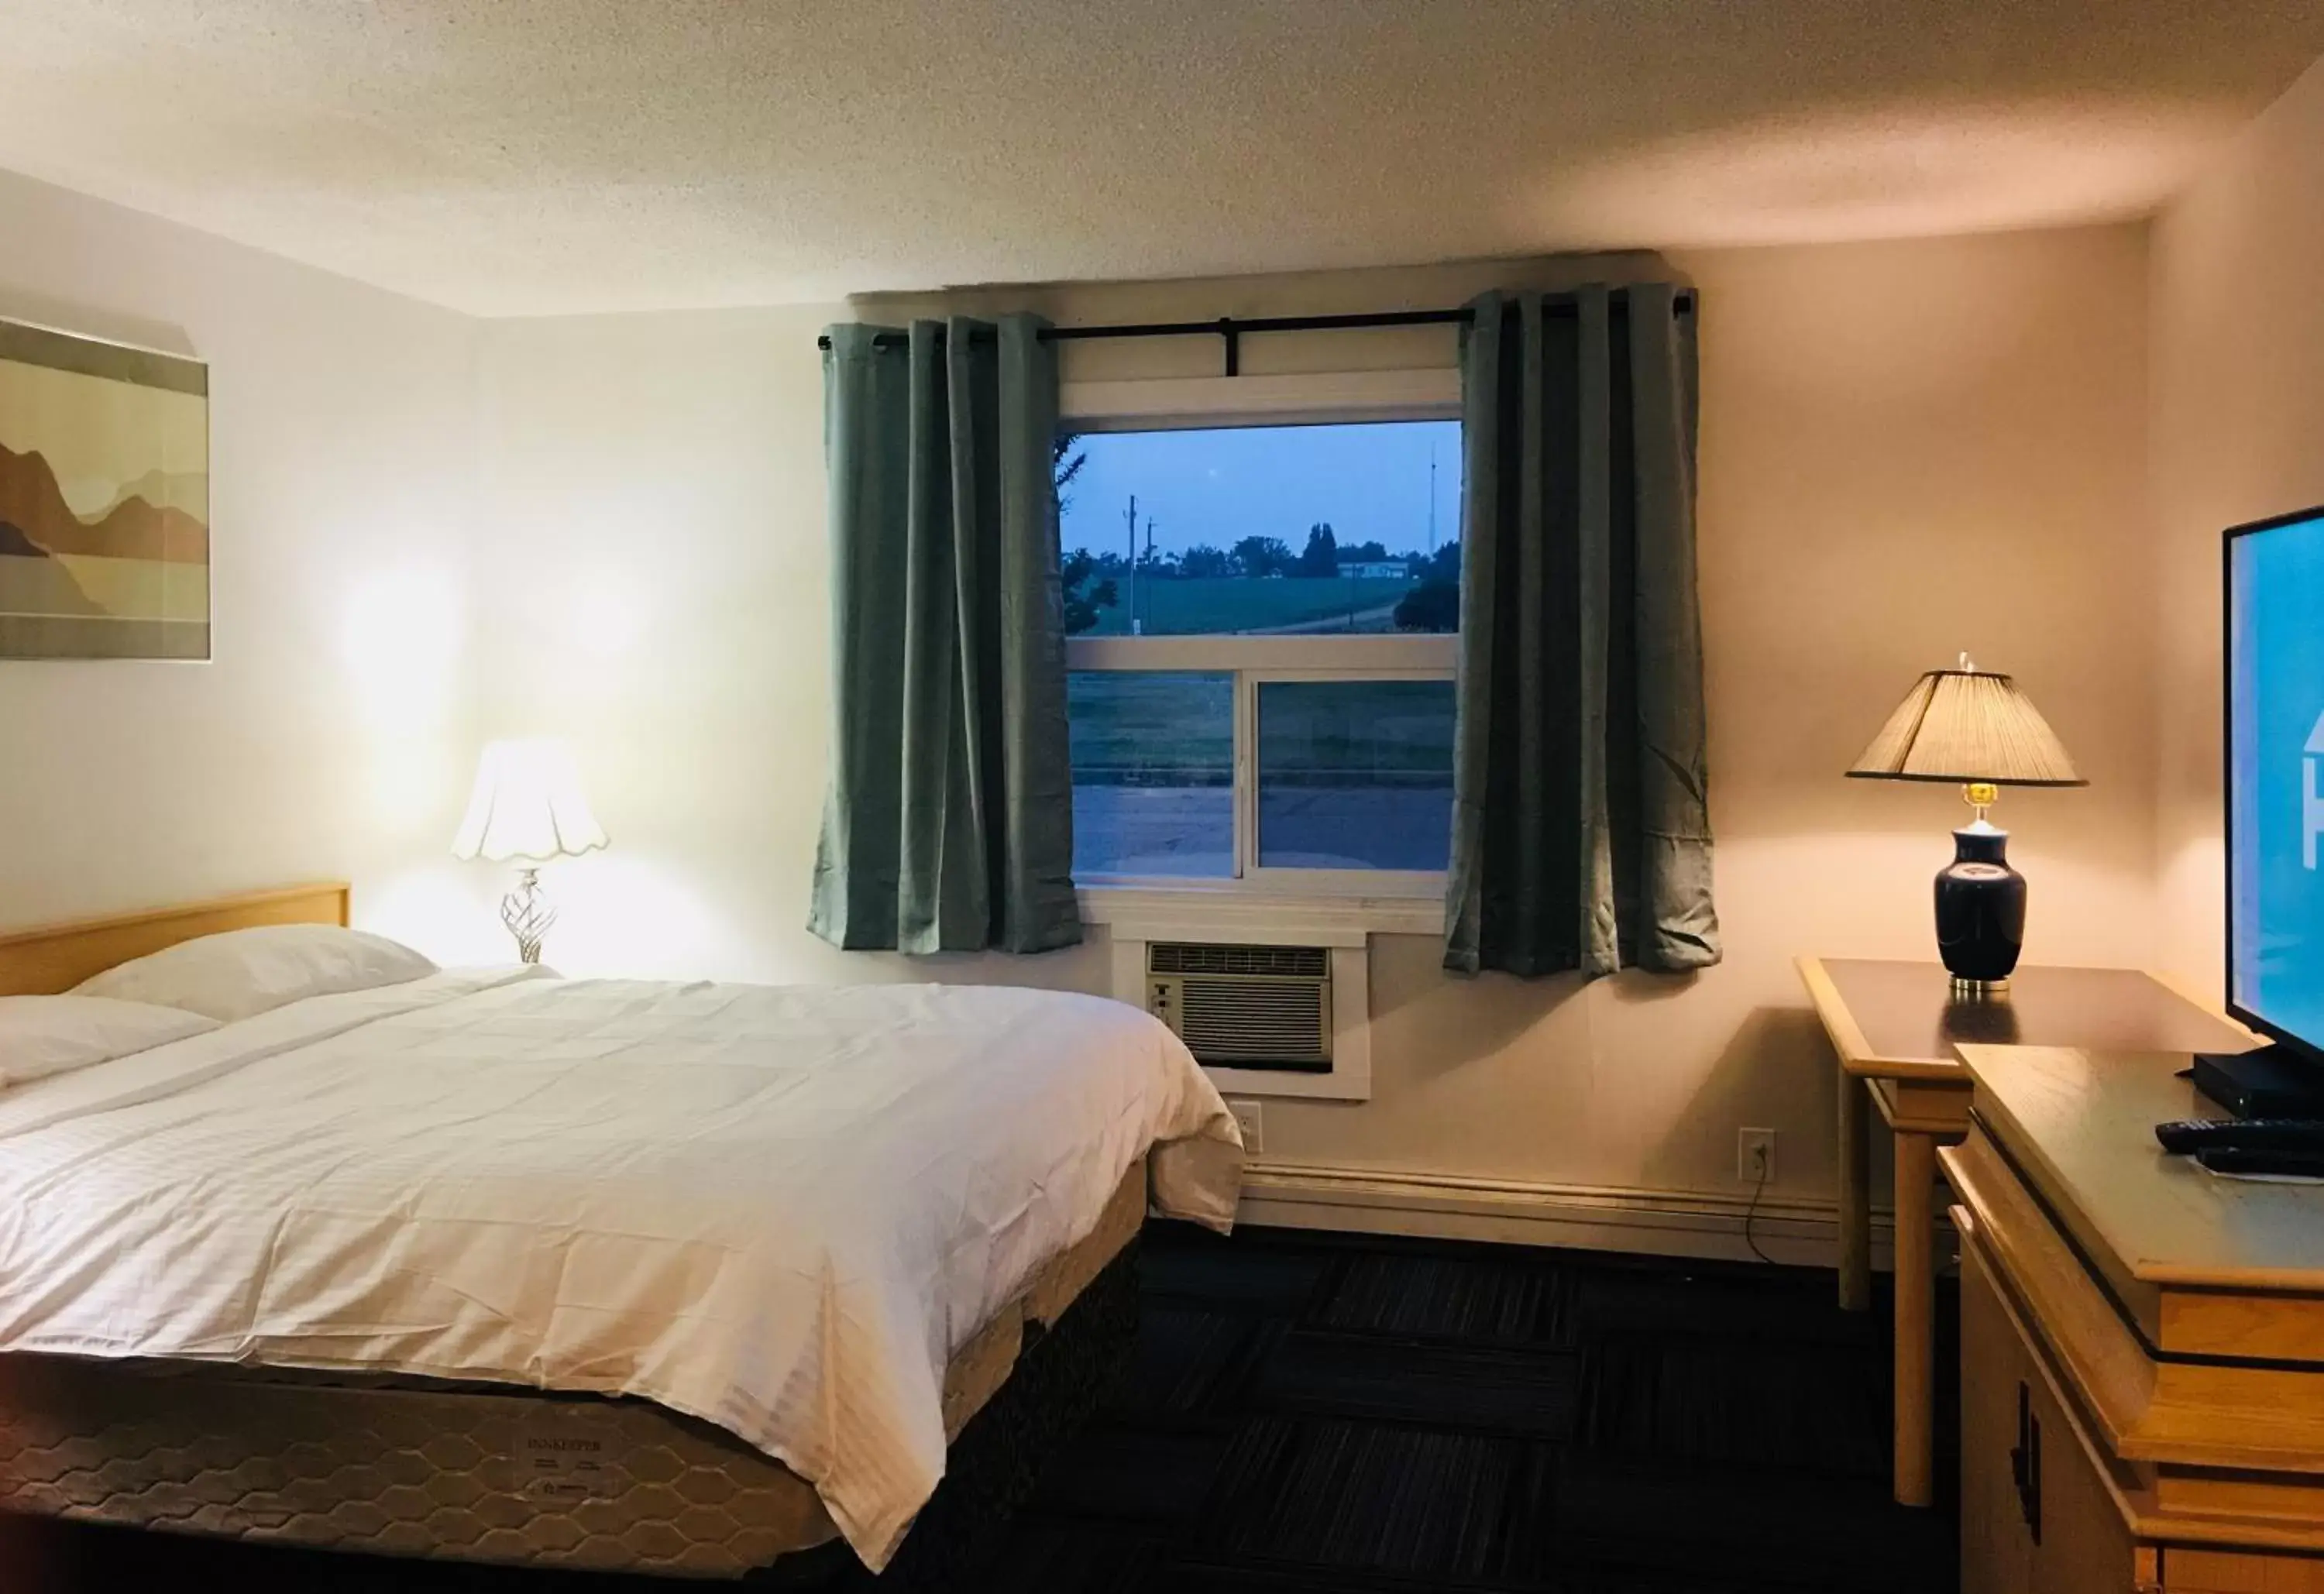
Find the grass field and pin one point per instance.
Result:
(1177, 729)
(1209, 605)
(1157, 728)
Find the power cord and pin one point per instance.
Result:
(1752, 1211)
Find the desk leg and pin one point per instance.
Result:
(1916, 1173)
(1855, 1194)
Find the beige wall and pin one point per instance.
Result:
(326, 737)
(2238, 290)
(1908, 449)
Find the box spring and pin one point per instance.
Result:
(457, 1471)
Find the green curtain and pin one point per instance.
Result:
(1580, 827)
(949, 821)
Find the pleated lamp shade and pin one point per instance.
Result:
(528, 806)
(1965, 726)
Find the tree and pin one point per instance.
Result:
(1321, 554)
(1203, 560)
(1262, 556)
(1370, 553)
(1073, 573)
(1433, 606)
(1075, 569)
(1066, 461)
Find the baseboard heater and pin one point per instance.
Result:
(1245, 1007)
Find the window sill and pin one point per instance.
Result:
(1237, 912)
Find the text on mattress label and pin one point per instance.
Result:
(564, 1466)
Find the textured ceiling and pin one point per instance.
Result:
(536, 156)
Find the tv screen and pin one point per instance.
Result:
(2275, 777)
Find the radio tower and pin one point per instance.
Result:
(1431, 501)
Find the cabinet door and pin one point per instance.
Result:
(2035, 1515)
(1996, 1543)
(2085, 1546)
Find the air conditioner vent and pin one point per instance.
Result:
(1224, 1022)
(1180, 957)
(1245, 1007)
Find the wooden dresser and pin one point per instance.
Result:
(2142, 1343)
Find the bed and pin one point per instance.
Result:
(489, 1266)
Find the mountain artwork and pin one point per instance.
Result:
(104, 537)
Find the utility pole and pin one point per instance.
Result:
(1149, 567)
(1133, 564)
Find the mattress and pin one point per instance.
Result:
(465, 1473)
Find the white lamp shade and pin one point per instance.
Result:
(528, 804)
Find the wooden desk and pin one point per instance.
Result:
(2142, 1342)
(1895, 1026)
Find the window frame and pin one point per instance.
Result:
(1253, 661)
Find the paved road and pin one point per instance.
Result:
(1370, 622)
(1189, 831)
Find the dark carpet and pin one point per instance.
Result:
(1376, 1416)
(1355, 1412)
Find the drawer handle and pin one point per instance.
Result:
(2025, 1463)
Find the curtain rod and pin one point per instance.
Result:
(1232, 330)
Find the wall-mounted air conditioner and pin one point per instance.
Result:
(1245, 1007)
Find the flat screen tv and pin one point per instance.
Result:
(2275, 781)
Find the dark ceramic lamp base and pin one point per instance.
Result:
(1981, 911)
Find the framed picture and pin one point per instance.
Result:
(105, 487)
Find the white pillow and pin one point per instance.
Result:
(44, 1035)
(245, 972)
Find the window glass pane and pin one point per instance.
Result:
(1153, 773)
(1262, 530)
(1355, 774)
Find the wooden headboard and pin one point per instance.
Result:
(46, 962)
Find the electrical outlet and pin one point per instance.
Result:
(1755, 1155)
(1253, 1127)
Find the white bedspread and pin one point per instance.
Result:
(780, 1209)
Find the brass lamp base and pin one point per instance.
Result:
(1978, 991)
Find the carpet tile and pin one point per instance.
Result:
(1472, 1298)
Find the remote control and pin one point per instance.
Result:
(2250, 1134)
(2249, 1160)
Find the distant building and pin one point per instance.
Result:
(1376, 569)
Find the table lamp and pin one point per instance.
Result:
(1974, 728)
(527, 807)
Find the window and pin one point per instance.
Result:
(1153, 772)
(1355, 774)
(1261, 621)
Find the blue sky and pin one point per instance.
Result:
(1369, 480)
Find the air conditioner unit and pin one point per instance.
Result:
(1245, 1007)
